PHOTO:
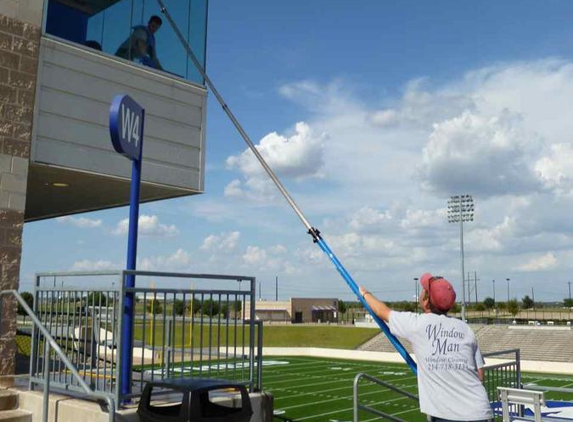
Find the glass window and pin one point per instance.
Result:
(135, 30)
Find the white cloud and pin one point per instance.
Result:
(148, 225)
(88, 265)
(555, 169)
(479, 154)
(223, 242)
(254, 255)
(178, 261)
(297, 156)
(81, 222)
(540, 263)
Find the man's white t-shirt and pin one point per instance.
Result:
(448, 358)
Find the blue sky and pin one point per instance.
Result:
(372, 114)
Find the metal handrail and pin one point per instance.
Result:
(357, 406)
(50, 342)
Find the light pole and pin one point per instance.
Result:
(493, 281)
(416, 292)
(460, 209)
(507, 279)
(569, 291)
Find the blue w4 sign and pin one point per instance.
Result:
(126, 126)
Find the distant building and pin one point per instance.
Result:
(296, 310)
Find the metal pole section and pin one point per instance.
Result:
(462, 259)
(311, 230)
(416, 292)
(493, 281)
(507, 279)
(276, 288)
(46, 380)
(476, 285)
(236, 123)
(128, 306)
(252, 335)
(569, 290)
(354, 287)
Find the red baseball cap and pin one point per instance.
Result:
(441, 292)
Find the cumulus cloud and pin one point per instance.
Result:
(272, 259)
(555, 169)
(297, 156)
(148, 225)
(540, 263)
(88, 265)
(179, 260)
(222, 242)
(483, 155)
(81, 222)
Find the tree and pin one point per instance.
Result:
(29, 299)
(480, 307)
(194, 306)
(178, 307)
(210, 307)
(341, 307)
(513, 307)
(568, 303)
(97, 299)
(527, 302)
(489, 303)
(154, 307)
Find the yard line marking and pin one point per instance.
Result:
(331, 380)
(391, 414)
(343, 398)
(343, 410)
(280, 374)
(303, 393)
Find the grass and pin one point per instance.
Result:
(328, 336)
(320, 389)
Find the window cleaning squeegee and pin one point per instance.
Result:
(311, 230)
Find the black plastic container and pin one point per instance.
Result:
(194, 400)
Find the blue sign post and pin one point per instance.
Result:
(126, 119)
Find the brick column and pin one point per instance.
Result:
(19, 45)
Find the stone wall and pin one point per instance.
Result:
(19, 42)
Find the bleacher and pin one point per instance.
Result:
(535, 343)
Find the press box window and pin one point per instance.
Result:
(106, 25)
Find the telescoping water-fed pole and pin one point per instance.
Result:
(311, 230)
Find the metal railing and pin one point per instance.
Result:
(51, 347)
(359, 406)
(193, 332)
(504, 374)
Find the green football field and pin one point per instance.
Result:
(321, 389)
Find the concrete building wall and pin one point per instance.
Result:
(20, 22)
(305, 305)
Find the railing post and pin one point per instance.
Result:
(355, 396)
(252, 335)
(46, 380)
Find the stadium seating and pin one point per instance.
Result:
(535, 344)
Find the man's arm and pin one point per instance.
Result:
(379, 307)
(480, 374)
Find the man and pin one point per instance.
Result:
(450, 373)
(140, 45)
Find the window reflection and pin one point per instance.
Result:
(134, 30)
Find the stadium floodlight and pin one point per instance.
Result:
(460, 210)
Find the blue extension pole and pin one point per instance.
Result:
(311, 230)
(354, 287)
(128, 309)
